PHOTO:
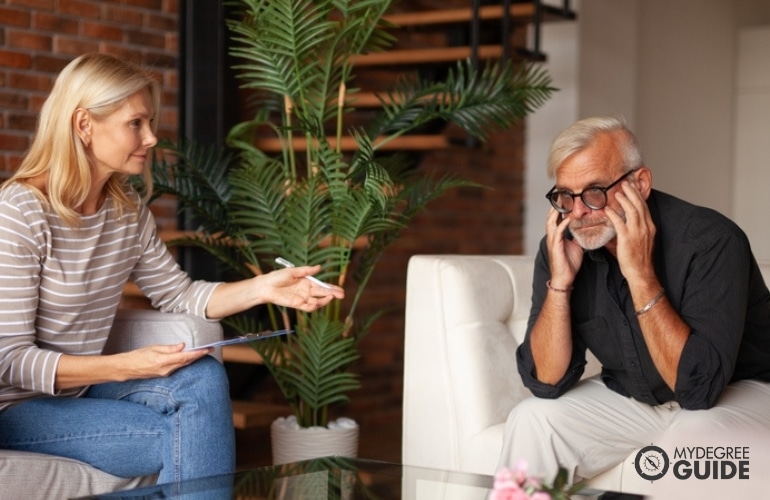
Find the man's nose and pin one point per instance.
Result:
(579, 208)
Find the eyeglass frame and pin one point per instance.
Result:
(604, 190)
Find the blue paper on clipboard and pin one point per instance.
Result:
(252, 337)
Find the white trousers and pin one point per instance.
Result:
(591, 429)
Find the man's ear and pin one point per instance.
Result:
(644, 181)
(81, 122)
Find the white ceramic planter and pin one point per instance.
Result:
(291, 443)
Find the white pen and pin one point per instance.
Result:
(286, 263)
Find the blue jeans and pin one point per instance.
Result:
(179, 427)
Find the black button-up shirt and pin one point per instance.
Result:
(710, 277)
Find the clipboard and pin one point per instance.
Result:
(252, 337)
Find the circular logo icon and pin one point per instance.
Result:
(651, 463)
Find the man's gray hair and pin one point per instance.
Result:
(582, 133)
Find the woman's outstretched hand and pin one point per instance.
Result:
(290, 288)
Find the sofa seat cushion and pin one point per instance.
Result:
(21, 474)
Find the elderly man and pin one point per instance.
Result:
(665, 294)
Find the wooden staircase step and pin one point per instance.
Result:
(455, 16)
(240, 353)
(520, 13)
(436, 55)
(404, 143)
(252, 414)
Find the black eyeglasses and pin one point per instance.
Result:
(594, 197)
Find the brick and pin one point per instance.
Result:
(102, 31)
(35, 4)
(74, 46)
(36, 101)
(145, 39)
(80, 8)
(171, 6)
(155, 5)
(13, 142)
(161, 22)
(172, 42)
(22, 121)
(30, 81)
(13, 161)
(14, 59)
(15, 17)
(54, 23)
(29, 41)
(126, 17)
(48, 63)
(12, 100)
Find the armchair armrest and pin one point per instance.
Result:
(465, 316)
(135, 328)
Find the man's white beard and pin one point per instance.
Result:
(591, 239)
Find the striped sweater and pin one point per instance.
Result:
(60, 286)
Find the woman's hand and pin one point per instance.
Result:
(290, 288)
(146, 362)
(283, 287)
(159, 360)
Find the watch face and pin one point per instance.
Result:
(651, 463)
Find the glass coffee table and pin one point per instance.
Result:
(326, 478)
(322, 479)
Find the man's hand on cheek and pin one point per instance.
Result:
(635, 231)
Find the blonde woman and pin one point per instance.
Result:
(72, 232)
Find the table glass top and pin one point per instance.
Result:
(324, 478)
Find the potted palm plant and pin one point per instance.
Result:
(324, 205)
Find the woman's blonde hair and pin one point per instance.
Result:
(99, 83)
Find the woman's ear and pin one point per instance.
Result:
(644, 181)
(81, 122)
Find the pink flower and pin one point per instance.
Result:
(508, 494)
(515, 484)
(533, 483)
(520, 471)
(504, 480)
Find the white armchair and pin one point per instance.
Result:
(465, 316)
(37, 476)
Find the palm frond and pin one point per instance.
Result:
(198, 180)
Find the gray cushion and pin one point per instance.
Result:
(36, 476)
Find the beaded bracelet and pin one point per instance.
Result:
(651, 303)
(560, 290)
